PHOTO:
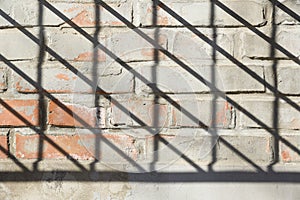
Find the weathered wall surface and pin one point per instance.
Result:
(148, 87)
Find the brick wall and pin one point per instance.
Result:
(80, 81)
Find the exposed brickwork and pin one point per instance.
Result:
(27, 147)
(19, 113)
(4, 147)
(74, 115)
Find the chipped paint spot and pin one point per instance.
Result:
(88, 56)
(286, 156)
(163, 20)
(71, 9)
(63, 77)
(84, 18)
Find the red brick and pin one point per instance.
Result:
(27, 147)
(27, 109)
(3, 144)
(60, 116)
(113, 147)
(80, 147)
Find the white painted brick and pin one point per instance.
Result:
(130, 46)
(71, 45)
(284, 16)
(194, 112)
(289, 116)
(262, 110)
(145, 109)
(16, 45)
(255, 148)
(189, 46)
(196, 148)
(255, 46)
(58, 79)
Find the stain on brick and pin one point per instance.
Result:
(89, 56)
(286, 156)
(84, 18)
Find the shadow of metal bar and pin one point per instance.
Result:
(155, 115)
(213, 82)
(42, 108)
(286, 9)
(160, 177)
(95, 82)
(276, 104)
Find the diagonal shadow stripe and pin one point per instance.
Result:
(286, 10)
(244, 157)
